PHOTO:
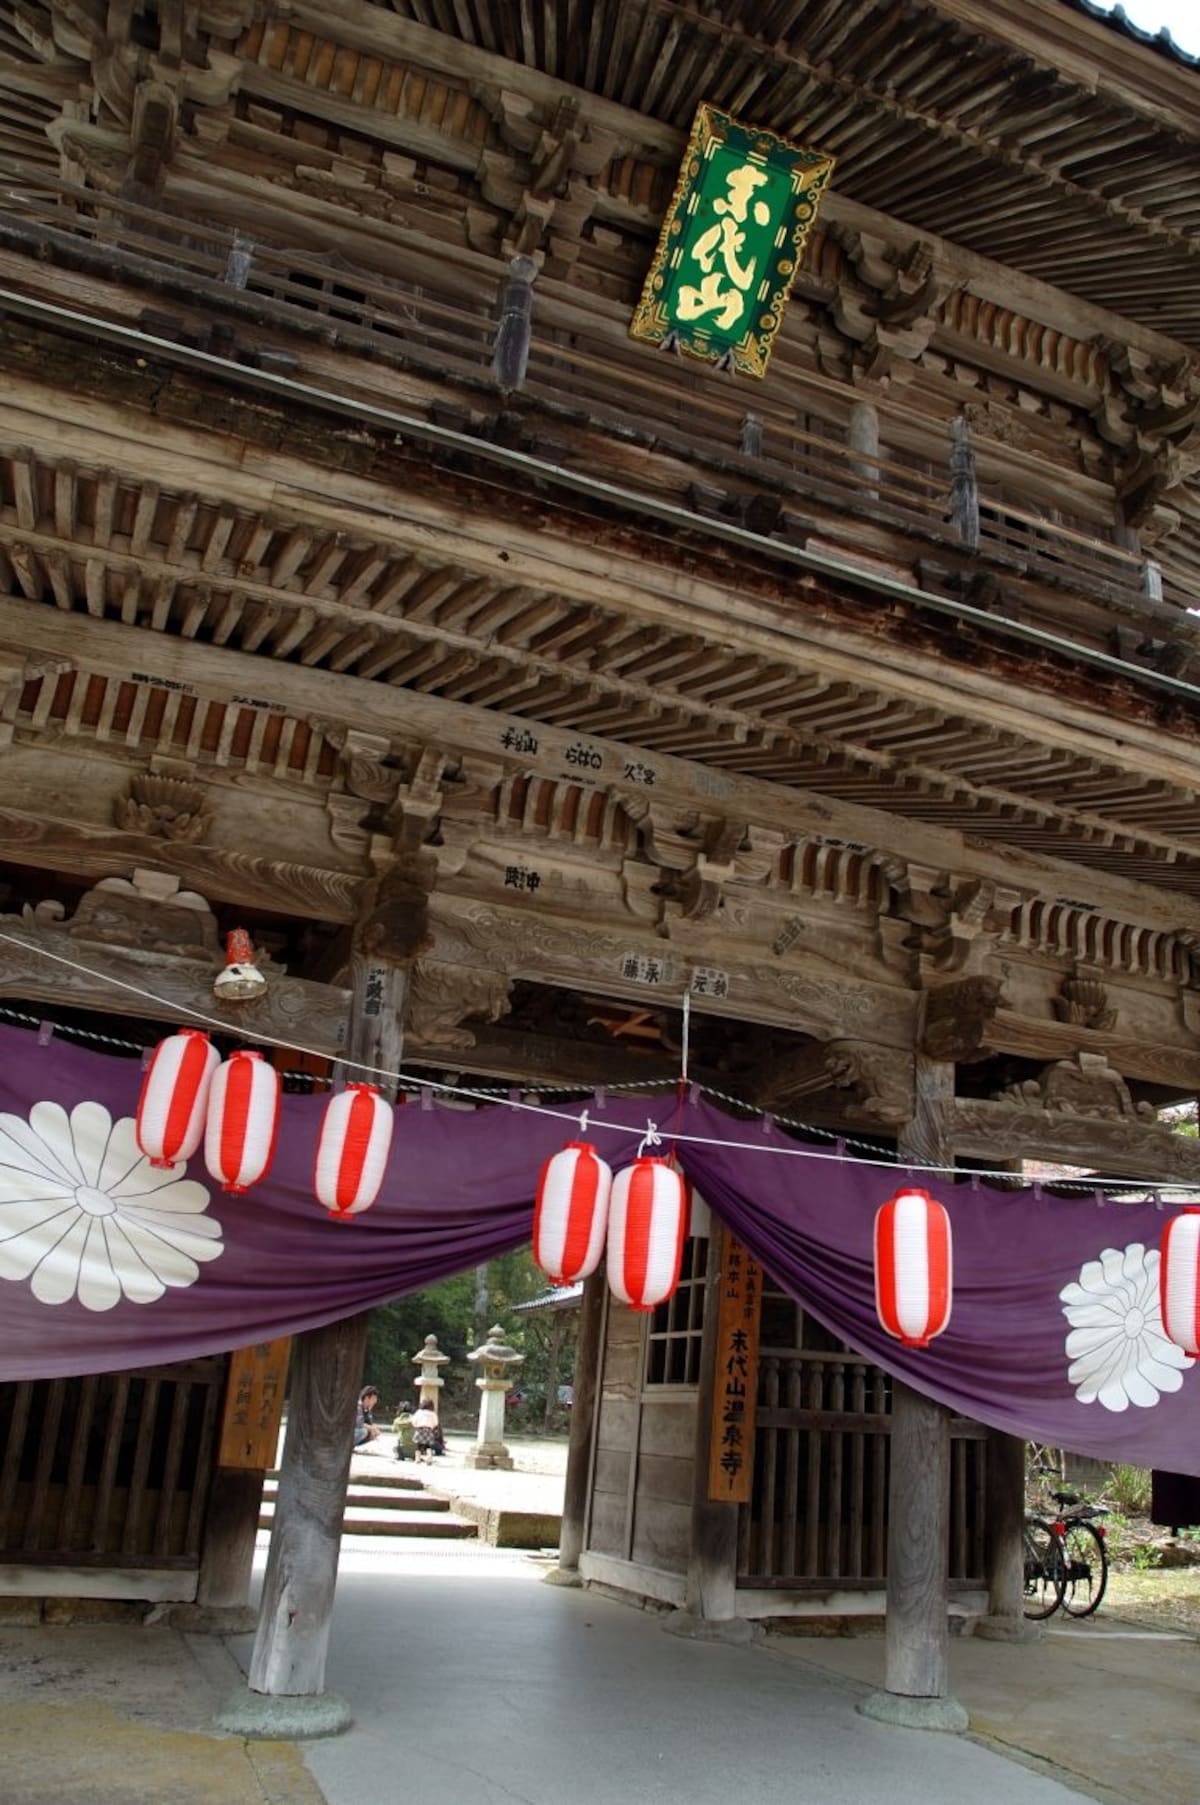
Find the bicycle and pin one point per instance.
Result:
(1084, 1553)
(1045, 1569)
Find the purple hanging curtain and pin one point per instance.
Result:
(106, 1263)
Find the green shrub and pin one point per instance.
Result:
(1129, 1489)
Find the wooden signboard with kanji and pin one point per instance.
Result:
(254, 1405)
(735, 1382)
(731, 243)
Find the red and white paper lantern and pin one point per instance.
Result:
(171, 1108)
(913, 1267)
(243, 1120)
(1179, 1281)
(647, 1222)
(570, 1216)
(356, 1137)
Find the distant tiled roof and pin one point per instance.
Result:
(1156, 40)
(563, 1297)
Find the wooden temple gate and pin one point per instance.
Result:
(364, 584)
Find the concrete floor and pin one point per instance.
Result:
(473, 1684)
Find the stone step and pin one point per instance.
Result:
(360, 1520)
(395, 1475)
(378, 1497)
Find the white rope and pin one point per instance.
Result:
(648, 1137)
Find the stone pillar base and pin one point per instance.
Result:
(489, 1457)
(562, 1576)
(269, 1717)
(914, 1713)
(735, 1630)
(1006, 1629)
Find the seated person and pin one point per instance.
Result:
(364, 1428)
(425, 1434)
(404, 1432)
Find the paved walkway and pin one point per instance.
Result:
(473, 1684)
(469, 1693)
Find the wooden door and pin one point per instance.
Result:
(817, 1519)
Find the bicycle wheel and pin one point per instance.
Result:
(1044, 1571)
(1086, 1569)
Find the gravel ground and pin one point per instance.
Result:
(1168, 1599)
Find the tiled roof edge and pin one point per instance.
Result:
(1160, 40)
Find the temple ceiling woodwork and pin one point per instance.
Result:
(310, 589)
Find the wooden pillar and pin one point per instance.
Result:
(918, 1631)
(711, 1593)
(297, 1604)
(1004, 1543)
(589, 1358)
(287, 1694)
(863, 438)
(230, 1532)
(558, 1329)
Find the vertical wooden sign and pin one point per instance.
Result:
(735, 1382)
(254, 1405)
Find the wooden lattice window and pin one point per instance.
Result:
(676, 1328)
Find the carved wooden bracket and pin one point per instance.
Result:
(879, 1080)
(1111, 1144)
(540, 180)
(957, 920)
(441, 998)
(699, 855)
(892, 312)
(957, 1016)
(1083, 1086)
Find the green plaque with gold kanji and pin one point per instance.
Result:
(731, 243)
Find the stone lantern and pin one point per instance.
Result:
(429, 1380)
(497, 1368)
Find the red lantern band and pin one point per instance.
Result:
(570, 1215)
(1179, 1281)
(171, 1108)
(352, 1153)
(913, 1275)
(243, 1121)
(647, 1224)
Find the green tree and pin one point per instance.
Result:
(446, 1309)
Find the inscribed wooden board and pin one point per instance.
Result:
(254, 1405)
(735, 1382)
(731, 243)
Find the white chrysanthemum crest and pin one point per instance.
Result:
(84, 1214)
(1118, 1351)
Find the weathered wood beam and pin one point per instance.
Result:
(610, 578)
(309, 891)
(360, 25)
(916, 1688)
(290, 1012)
(805, 995)
(190, 668)
(1113, 1145)
(1152, 1058)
